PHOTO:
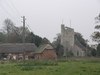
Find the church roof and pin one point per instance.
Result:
(80, 45)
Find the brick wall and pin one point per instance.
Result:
(16, 55)
(46, 54)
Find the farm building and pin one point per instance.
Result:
(45, 52)
(15, 50)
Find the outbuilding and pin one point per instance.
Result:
(16, 50)
(45, 52)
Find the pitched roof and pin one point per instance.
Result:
(43, 47)
(80, 45)
(17, 47)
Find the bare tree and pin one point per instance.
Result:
(9, 27)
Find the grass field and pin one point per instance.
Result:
(43, 67)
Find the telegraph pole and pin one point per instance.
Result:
(24, 39)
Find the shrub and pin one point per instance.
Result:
(39, 62)
(27, 68)
(2, 62)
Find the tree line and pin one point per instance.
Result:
(13, 34)
(96, 36)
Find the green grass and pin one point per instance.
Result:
(44, 67)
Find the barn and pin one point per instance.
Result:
(45, 52)
(15, 50)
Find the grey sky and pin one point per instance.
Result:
(45, 16)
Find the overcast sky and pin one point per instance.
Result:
(45, 16)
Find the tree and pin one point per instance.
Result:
(45, 41)
(9, 27)
(2, 37)
(96, 35)
(38, 40)
(57, 45)
(30, 38)
(93, 52)
(14, 34)
(98, 50)
(80, 38)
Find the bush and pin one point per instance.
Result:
(39, 62)
(27, 68)
(93, 52)
(2, 62)
(70, 54)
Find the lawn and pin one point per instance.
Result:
(43, 67)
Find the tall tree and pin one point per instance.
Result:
(57, 45)
(98, 50)
(9, 28)
(38, 40)
(93, 52)
(14, 34)
(30, 37)
(45, 41)
(80, 38)
(2, 37)
(96, 35)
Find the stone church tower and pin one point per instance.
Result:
(70, 43)
(67, 39)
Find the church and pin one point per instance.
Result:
(71, 44)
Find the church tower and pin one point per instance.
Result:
(67, 39)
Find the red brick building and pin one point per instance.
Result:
(45, 52)
(15, 50)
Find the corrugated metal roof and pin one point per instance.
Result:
(17, 47)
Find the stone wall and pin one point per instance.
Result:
(77, 51)
(67, 38)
